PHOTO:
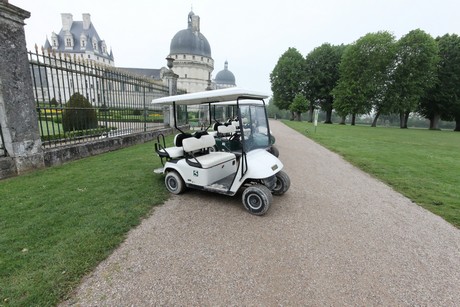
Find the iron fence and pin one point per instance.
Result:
(79, 100)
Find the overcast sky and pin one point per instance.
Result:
(251, 35)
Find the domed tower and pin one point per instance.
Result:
(192, 57)
(225, 78)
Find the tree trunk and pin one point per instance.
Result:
(434, 122)
(457, 123)
(310, 113)
(406, 118)
(292, 116)
(328, 116)
(298, 116)
(374, 122)
(342, 120)
(402, 122)
(353, 119)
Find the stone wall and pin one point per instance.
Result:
(60, 155)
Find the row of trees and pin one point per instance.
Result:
(376, 74)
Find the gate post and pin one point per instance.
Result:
(18, 115)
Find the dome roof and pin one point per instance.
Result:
(225, 76)
(190, 40)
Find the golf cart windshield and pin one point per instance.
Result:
(254, 126)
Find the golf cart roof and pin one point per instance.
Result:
(222, 95)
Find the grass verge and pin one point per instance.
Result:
(57, 224)
(421, 164)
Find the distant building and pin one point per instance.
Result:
(193, 61)
(80, 38)
(224, 78)
(189, 49)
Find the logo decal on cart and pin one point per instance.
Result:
(195, 173)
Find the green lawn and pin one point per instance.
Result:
(57, 224)
(424, 165)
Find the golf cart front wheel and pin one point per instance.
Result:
(174, 183)
(283, 182)
(257, 199)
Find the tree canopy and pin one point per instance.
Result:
(364, 75)
(322, 65)
(414, 72)
(288, 78)
(376, 75)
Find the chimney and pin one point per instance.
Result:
(86, 21)
(67, 21)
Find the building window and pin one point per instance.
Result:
(83, 43)
(202, 58)
(68, 42)
(185, 76)
(193, 57)
(176, 56)
(184, 56)
(54, 43)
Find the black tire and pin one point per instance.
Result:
(283, 182)
(174, 183)
(274, 151)
(257, 199)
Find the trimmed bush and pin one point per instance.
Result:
(79, 114)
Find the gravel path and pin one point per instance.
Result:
(338, 237)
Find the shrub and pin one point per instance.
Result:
(54, 102)
(79, 114)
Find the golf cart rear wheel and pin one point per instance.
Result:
(282, 183)
(257, 199)
(174, 182)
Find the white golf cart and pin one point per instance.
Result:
(193, 161)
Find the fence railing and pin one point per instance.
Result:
(79, 100)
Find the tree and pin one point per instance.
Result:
(299, 105)
(414, 72)
(322, 67)
(364, 76)
(79, 114)
(442, 101)
(288, 78)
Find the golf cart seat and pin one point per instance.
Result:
(199, 154)
(175, 151)
(226, 130)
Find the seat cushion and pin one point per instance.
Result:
(172, 152)
(214, 158)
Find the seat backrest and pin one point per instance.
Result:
(180, 137)
(194, 144)
(226, 129)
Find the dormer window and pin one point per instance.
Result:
(104, 47)
(95, 45)
(54, 41)
(83, 41)
(68, 39)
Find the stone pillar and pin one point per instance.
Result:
(18, 116)
(171, 78)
